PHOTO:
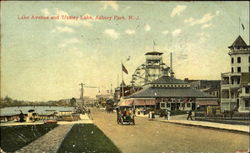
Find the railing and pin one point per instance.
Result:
(230, 86)
(227, 74)
(224, 82)
(244, 95)
(228, 100)
(227, 115)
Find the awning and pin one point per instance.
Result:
(125, 102)
(136, 102)
(207, 103)
(143, 102)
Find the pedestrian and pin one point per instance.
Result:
(168, 114)
(21, 117)
(190, 115)
(149, 115)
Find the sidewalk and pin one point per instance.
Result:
(182, 120)
(48, 143)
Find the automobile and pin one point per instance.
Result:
(125, 115)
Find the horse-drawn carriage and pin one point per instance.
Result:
(125, 115)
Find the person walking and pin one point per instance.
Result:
(190, 115)
(168, 114)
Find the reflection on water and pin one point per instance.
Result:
(38, 109)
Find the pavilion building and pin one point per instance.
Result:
(167, 92)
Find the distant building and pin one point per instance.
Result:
(235, 85)
(128, 90)
(102, 98)
(211, 87)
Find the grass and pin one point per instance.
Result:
(14, 138)
(87, 138)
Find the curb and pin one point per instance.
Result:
(208, 127)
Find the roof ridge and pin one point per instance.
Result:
(168, 79)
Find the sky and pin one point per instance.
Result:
(46, 59)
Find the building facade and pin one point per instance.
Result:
(235, 84)
(167, 92)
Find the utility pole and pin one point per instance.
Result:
(111, 91)
(81, 95)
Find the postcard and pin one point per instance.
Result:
(125, 76)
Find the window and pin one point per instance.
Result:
(247, 89)
(238, 59)
(162, 105)
(238, 81)
(247, 103)
(183, 104)
(249, 59)
(239, 69)
(232, 70)
(168, 105)
(232, 60)
(188, 104)
(248, 68)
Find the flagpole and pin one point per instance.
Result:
(239, 25)
(117, 80)
(122, 84)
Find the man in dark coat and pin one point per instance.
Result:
(190, 115)
(21, 117)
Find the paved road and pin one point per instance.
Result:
(158, 137)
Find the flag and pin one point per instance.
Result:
(243, 27)
(128, 58)
(124, 69)
(154, 42)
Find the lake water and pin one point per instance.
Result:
(38, 109)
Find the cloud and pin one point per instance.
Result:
(126, 9)
(112, 4)
(182, 56)
(177, 10)
(71, 22)
(64, 29)
(189, 20)
(217, 13)
(130, 32)
(202, 36)
(67, 42)
(76, 22)
(165, 32)
(112, 33)
(176, 32)
(147, 27)
(45, 12)
(206, 25)
(206, 18)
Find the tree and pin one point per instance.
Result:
(8, 100)
(72, 101)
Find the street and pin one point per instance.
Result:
(158, 137)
